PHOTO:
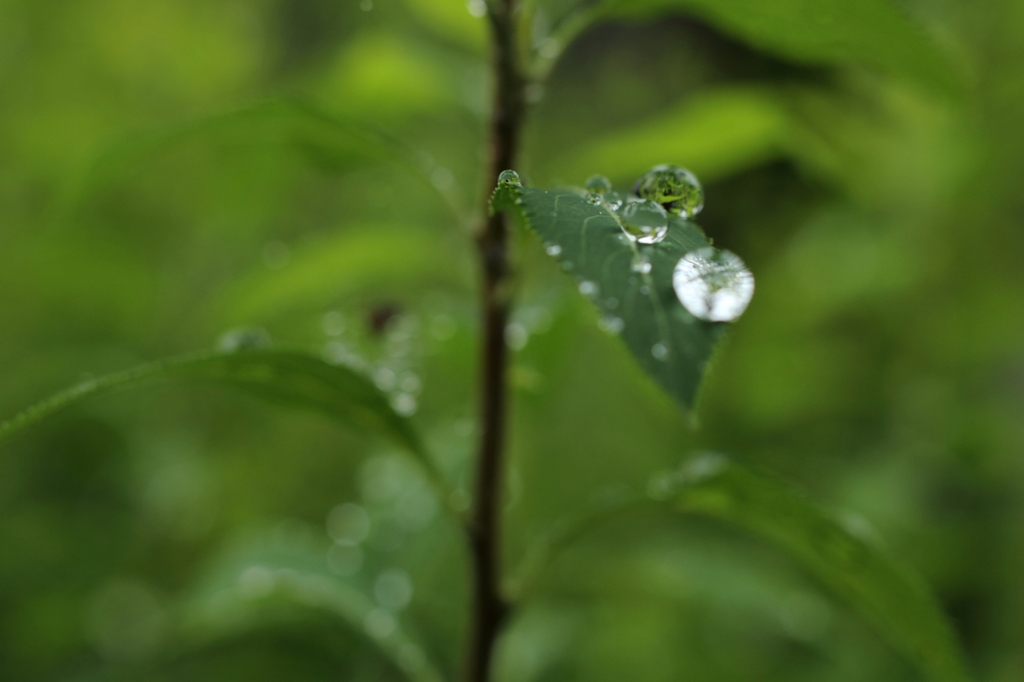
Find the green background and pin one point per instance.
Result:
(173, 169)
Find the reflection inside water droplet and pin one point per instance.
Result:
(509, 177)
(673, 187)
(597, 186)
(643, 221)
(713, 285)
(552, 249)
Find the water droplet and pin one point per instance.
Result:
(379, 624)
(516, 336)
(348, 524)
(713, 285)
(645, 290)
(597, 186)
(611, 325)
(509, 177)
(410, 383)
(243, 339)
(393, 589)
(674, 187)
(344, 561)
(385, 378)
(333, 323)
(659, 351)
(256, 582)
(643, 221)
(404, 404)
(641, 265)
(477, 8)
(552, 249)
(588, 288)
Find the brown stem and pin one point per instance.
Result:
(489, 605)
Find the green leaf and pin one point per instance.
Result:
(888, 596)
(286, 377)
(714, 134)
(252, 580)
(325, 270)
(870, 32)
(672, 345)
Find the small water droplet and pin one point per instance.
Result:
(597, 186)
(645, 290)
(477, 8)
(348, 524)
(611, 325)
(404, 404)
(393, 589)
(516, 336)
(379, 624)
(713, 285)
(243, 339)
(641, 265)
(385, 378)
(674, 187)
(659, 351)
(509, 177)
(343, 560)
(410, 383)
(588, 288)
(552, 249)
(643, 221)
(612, 303)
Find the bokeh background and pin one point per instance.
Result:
(174, 169)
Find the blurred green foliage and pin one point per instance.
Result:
(173, 169)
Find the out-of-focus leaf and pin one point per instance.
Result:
(869, 32)
(382, 75)
(330, 141)
(672, 345)
(452, 19)
(286, 377)
(385, 255)
(889, 596)
(259, 577)
(714, 134)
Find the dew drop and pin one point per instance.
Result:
(509, 177)
(404, 404)
(611, 325)
(477, 8)
(643, 221)
(674, 187)
(588, 288)
(713, 285)
(552, 249)
(597, 186)
(243, 339)
(659, 351)
(641, 265)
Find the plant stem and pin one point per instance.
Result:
(490, 608)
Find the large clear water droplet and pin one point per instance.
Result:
(674, 187)
(643, 221)
(509, 177)
(597, 186)
(713, 285)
